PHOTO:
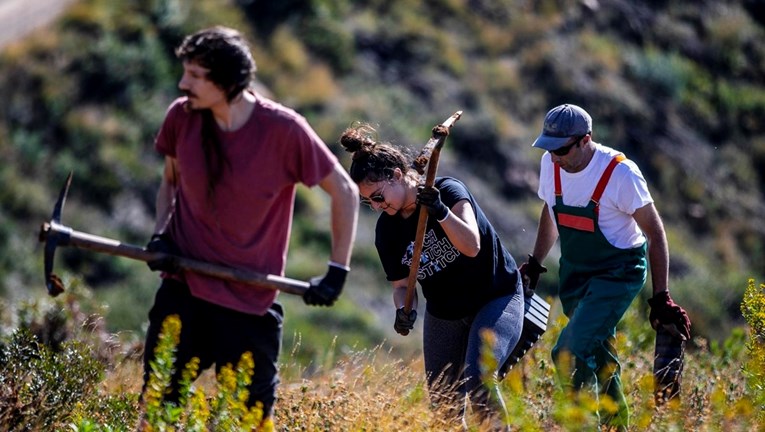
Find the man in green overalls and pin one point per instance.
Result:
(598, 204)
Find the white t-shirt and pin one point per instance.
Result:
(626, 192)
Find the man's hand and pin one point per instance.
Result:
(164, 244)
(325, 290)
(404, 322)
(430, 198)
(667, 313)
(530, 271)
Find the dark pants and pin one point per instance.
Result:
(452, 351)
(219, 335)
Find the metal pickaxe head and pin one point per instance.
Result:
(53, 238)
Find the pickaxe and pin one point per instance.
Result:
(428, 156)
(55, 234)
(536, 309)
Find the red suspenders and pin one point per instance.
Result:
(584, 223)
(604, 180)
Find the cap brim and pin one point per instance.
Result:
(549, 143)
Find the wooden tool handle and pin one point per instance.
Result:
(431, 151)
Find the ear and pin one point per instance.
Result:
(397, 174)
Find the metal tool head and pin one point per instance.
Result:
(52, 239)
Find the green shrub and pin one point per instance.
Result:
(331, 41)
(753, 309)
(665, 73)
(227, 410)
(40, 386)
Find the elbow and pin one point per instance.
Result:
(352, 195)
(473, 250)
(346, 191)
(471, 245)
(353, 191)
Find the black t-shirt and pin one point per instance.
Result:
(453, 284)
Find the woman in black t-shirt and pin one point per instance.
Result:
(469, 280)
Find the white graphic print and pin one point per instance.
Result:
(436, 255)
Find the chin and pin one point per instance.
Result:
(193, 104)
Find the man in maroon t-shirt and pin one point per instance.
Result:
(232, 162)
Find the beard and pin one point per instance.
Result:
(188, 105)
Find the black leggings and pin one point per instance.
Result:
(452, 351)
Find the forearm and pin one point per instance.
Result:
(547, 234)
(658, 258)
(345, 211)
(650, 223)
(462, 229)
(399, 294)
(344, 220)
(165, 200)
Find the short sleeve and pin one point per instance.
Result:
(633, 190)
(390, 241)
(167, 137)
(315, 160)
(452, 191)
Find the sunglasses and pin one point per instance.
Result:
(376, 197)
(563, 151)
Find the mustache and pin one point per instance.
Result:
(187, 104)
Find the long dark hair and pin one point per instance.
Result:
(226, 54)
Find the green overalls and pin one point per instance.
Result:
(598, 282)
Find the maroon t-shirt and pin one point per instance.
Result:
(246, 224)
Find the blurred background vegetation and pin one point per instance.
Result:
(677, 86)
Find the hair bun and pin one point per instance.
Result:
(351, 141)
(358, 139)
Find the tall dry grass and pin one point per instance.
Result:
(377, 390)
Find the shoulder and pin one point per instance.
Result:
(626, 168)
(275, 115)
(450, 186)
(629, 168)
(626, 175)
(605, 155)
(177, 110)
(386, 228)
(271, 110)
(545, 166)
(178, 117)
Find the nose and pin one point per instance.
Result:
(381, 206)
(183, 83)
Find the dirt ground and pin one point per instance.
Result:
(20, 17)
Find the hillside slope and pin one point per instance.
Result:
(678, 88)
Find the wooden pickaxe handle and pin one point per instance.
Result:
(429, 155)
(66, 236)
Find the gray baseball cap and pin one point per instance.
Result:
(562, 123)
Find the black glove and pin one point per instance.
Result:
(404, 322)
(530, 271)
(665, 312)
(430, 198)
(164, 244)
(325, 290)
